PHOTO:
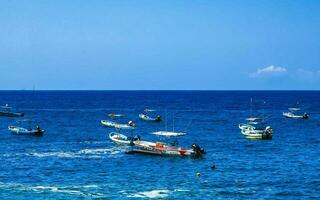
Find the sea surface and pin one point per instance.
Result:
(76, 160)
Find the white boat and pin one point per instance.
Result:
(292, 113)
(162, 149)
(23, 131)
(122, 139)
(114, 115)
(165, 149)
(255, 129)
(145, 117)
(112, 124)
(6, 112)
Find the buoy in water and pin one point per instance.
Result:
(198, 174)
(213, 167)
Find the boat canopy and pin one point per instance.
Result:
(294, 109)
(149, 110)
(168, 133)
(6, 106)
(254, 122)
(252, 119)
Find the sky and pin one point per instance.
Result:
(160, 45)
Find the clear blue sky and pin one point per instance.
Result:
(159, 44)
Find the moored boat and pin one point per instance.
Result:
(122, 139)
(162, 149)
(293, 113)
(112, 124)
(166, 149)
(146, 117)
(23, 131)
(6, 112)
(255, 128)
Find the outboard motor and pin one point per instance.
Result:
(136, 138)
(305, 116)
(198, 150)
(158, 118)
(130, 123)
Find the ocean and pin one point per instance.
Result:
(76, 160)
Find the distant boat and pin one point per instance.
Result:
(122, 139)
(6, 112)
(145, 117)
(293, 113)
(17, 130)
(256, 129)
(113, 115)
(112, 124)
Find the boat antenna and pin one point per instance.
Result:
(173, 122)
(251, 106)
(166, 124)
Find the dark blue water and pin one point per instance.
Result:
(76, 160)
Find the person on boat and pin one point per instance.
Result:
(136, 138)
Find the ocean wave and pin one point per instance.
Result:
(69, 190)
(91, 153)
(83, 153)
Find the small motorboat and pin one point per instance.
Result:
(23, 131)
(112, 124)
(6, 112)
(161, 149)
(293, 113)
(114, 115)
(166, 149)
(255, 129)
(145, 117)
(122, 139)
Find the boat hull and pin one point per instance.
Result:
(120, 139)
(111, 124)
(9, 114)
(149, 119)
(23, 131)
(256, 134)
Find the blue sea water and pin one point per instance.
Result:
(76, 160)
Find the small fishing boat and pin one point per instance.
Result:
(162, 149)
(166, 149)
(114, 115)
(145, 117)
(255, 129)
(112, 124)
(23, 131)
(6, 112)
(122, 139)
(293, 113)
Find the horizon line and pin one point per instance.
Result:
(151, 90)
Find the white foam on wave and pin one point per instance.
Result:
(87, 153)
(150, 194)
(60, 154)
(70, 190)
(154, 194)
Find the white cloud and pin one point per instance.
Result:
(270, 70)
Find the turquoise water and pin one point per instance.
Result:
(76, 160)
